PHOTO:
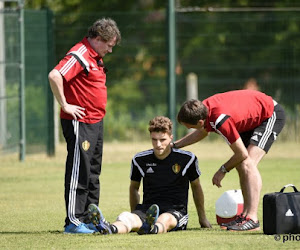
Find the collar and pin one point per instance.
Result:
(91, 51)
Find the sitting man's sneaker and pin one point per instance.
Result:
(239, 219)
(80, 229)
(151, 217)
(96, 217)
(246, 225)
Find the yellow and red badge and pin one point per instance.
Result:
(86, 145)
(176, 168)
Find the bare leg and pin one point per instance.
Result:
(166, 222)
(251, 181)
(243, 188)
(127, 222)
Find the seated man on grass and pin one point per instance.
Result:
(166, 174)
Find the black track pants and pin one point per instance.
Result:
(83, 167)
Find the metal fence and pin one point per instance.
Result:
(26, 104)
(224, 48)
(39, 59)
(10, 74)
(234, 49)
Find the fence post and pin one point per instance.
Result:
(50, 104)
(2, 81)
(171, 64)
(22, 152)
(191, 86)
(191, 89)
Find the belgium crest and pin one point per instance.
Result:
(176, 168)
(86, 145)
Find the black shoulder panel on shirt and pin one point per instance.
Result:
(81, 63)
(222, 121)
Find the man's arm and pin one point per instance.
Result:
(199, 203)
(191, 138)
(56, 84)
(240, 154)
(134, 195)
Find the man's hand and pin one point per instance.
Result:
(74, 111)
(218, 177)
(56, 84)
(204, 223)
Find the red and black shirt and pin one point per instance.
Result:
(84, 81)
(234, 112)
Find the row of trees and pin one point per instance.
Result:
(148, 5)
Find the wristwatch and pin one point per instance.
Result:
(223, 169)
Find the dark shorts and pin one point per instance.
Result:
(179, 212)
(264, 135)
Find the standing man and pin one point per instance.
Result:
(249, 121)
(78, 84)
(166, 175)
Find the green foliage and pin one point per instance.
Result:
(224, 54)
(36, 117)
(121, 125)
(12, 115)
(223, 48)
(126, 96)
(133, 5)
(80, 6)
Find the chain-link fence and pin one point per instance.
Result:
(26, 45)
(9, 80)
(39, 59)
(225, 49)
(235, 49)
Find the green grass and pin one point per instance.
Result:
(32, 203)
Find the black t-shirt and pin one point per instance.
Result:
(165, 182)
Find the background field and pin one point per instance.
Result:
(32, 205)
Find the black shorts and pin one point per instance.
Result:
(179, 212)
(266, 133)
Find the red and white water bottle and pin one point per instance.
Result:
(229, 205)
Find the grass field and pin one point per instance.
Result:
(32, 204)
